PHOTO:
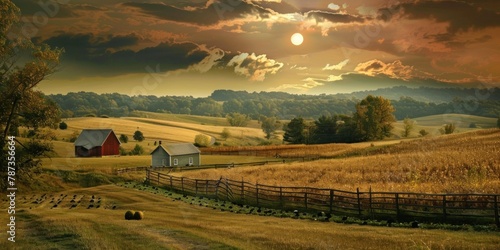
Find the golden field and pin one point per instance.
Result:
(459, 163)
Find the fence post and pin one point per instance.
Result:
(444, 207)
(370, 204)
(305, 199)
(206, 187)
(182, 184)
(257, 193)
(148, 177)
(242, 191)
(331, 200)
(196, 187)
(359, 201)
(397, 206)
(171, 183)
(158, 180)
(497, 219)
(281, 197)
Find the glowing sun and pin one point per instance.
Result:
(297, 39)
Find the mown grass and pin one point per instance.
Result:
(172, 224)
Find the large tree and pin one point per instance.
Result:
(23, 65)
(295, 131)
(374, 118)
(269, 126)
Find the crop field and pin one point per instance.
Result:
(458, 163)
(93, 218)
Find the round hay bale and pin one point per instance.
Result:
(138, 215)
(129, 215)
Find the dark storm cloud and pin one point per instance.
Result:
(282, 7)
(321, 16)
(462, 16)
(211, 14)
(100, 54)
(50, 8)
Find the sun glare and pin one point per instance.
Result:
(297, 39)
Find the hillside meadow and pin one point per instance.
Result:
(172, 224)
(458, 163)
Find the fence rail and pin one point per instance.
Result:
(449, 208)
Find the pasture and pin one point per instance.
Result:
(170, 223)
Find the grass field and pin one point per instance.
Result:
(466, 163)
(172, 224)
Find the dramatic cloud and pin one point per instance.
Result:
(102, 54)
(213, 13)
(461, 16)
(254, 67)
(395, 69)
(338, 66)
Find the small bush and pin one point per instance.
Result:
(129, 215)
(138, 215)
(63, 126)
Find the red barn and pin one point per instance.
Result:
(97, 143)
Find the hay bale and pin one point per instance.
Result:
(129, 215)
(138, 215)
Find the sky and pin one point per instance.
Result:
(192, 47)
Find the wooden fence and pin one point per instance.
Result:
(449, 208)
(187, 168)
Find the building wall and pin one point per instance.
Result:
(159, 158)
(183, 160)
(83, 152)
(111, 146)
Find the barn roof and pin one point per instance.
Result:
(178, 148)
(90, 138)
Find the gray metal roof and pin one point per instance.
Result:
(178, 148)
(90, 138)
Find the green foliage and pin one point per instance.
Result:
(124, 138)
(269, 125)
(498, 122)
(225, 133)
(295, 131)
(138, 136)
(63, 126)
(472, 125)
(237, 119)
(325, 130)
(448, 129)
(202, 140)
(423, 132)
(122, 151)
(374, 118)
(23, 65)
(408, 126)
(138, 150)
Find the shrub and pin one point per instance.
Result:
(138, 136)
(63, 126)
(138, 215)
(225, 133)
(123, 138)
(423, 132)
(129, 215)
(202, 140)
(138, 150)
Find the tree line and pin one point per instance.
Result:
(372, 120)
(270, 104)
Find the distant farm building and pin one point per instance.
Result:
(97, 143)
(175, 154)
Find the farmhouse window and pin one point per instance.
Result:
(176, 162)
(190, 160)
